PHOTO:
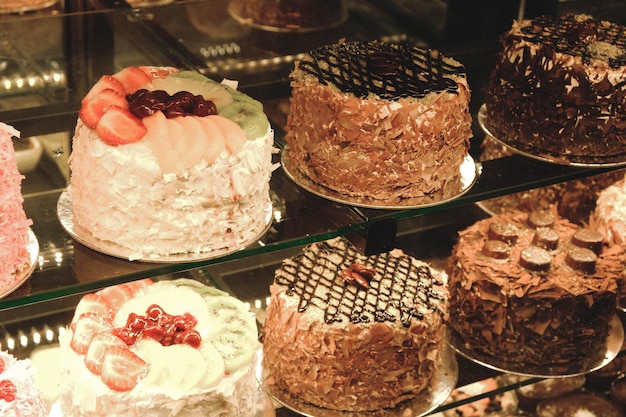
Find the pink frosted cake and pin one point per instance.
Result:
(167, 162)
(19, 396)
(14, 238)
(168, 348)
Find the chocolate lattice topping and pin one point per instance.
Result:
(391, 71)
(402, 288)
(571, 35)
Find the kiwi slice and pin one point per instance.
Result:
(248, 116)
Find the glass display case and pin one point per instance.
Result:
(49, 59)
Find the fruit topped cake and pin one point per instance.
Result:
(346, 331)
(14, 225)
(559, 89)
(166, 162)
(380, 121)
(19, 397)
(168, 348)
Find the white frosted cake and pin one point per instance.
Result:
(19, 397)
(169, 348)
(166, 162)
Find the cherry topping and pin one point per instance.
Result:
(142, 103)
(165, 328)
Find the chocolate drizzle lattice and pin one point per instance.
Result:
(391, 71)
(402, 288)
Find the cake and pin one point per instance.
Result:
(166, 348)
(588, 405)
(15, 258)
(558, 89)
(19, 397)
(533, 292)
(531, 395)
(381, 121)
(348, 332)
(289, 15)
(169, 162)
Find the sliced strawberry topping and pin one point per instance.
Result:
(132, 78)
(3, 365)
(8, 391)
(92, 303)
(91, 110)
(106, 82)
(85, 328)
(118, 126)
(121, 369)
(98, 346)
(157, 72)
(115, 296)
(134, 286)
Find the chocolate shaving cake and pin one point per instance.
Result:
(559, 89)
(349, 332)
(534, 290)
(380, 120)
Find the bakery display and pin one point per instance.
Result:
(174, 348)
(558, 89)
(533, 293)
(15, 237)
(166, 162)
(19, 397)
(348, 332)
(363, 125)
(288, 15)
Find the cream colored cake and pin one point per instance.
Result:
(609, 216)
(348, 332)
(157, 171)
(379, 120)
(169, 348)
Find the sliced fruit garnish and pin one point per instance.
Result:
(121, 369)
(118, 126)
(8, 391)
(194, 140)
(134, 286)
(249, 116)
(157, 72)
(216, 140)
(98, 346)
(92, 303)
(85, 328)
(132, 78)
(92, 109)
(106, 82)
(158, 139)
(115, 295)
(235, 136)
(195, 83)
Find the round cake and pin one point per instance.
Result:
(559, 89)
(533, 291)
(15, 258)
(348, 332)
(531, 395)
(166, 162)
(169, 348)
(609, 216)
(19, 397)
(578, 405)
(380, 121)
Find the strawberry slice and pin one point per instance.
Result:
(115, 296)
(118, 126)
(85, 328)
(91, 110)
(3, 365)
(134, 286)
(97, 348)
(157, 72)
(132, 78)
(8, 391)
(121, 369)
(106, 82)
(92, 303)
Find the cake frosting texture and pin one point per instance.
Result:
(534, 289)
(19, 397)
(181, 183)
(168, 348)
(14, 224)
(349, 332)
(380, 120)
(558, 88)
